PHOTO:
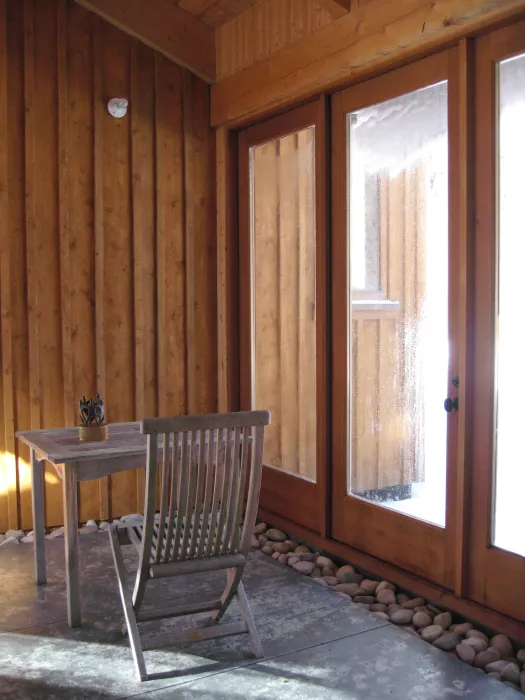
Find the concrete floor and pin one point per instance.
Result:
(317, 644)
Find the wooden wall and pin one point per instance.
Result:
(107, 240)
(265, 28)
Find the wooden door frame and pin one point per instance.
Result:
(496, 574)
(308, 504)
(420, 547)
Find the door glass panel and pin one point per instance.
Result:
(509, 520)
(398, 243)
(282, 182)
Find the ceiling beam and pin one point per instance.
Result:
(368, 40)
(163, 26)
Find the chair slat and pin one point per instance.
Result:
(213, 439)
(190, 500)
(224, 493)
(222, 437)
(198, 526)
(182, 496)
(239, 496)
(163, 496)
(175, 469)
(233, 468)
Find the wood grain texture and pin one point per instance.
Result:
(369, 39)
(267, 27)
(81, 275)
(215, 12)
(164, 27)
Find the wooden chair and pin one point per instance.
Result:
(198, 466)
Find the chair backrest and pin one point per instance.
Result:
(199, 466)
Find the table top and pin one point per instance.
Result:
(62, 445)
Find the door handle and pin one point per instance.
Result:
(451, 404)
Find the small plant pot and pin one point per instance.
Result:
(92, 433)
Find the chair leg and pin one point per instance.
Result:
(127, 604)
(233, 579)
(246, 613)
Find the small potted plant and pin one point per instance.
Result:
(93, 428)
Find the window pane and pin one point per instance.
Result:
(398, 230)
(509, 521)
(283, 304)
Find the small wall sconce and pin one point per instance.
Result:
(118, 107)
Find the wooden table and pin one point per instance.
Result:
(76, 461)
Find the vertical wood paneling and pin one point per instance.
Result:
(107, 243)
(265, 28)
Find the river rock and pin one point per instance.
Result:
(413, 603)
(378, 607)
(331, 580)
(275, 555)
(293, 544)
(382, 585)
(103, 525)
(255, 544)
(58, 532)
(401, 616)
(402, 598)
(327, 571)
(28, 538)
(320, 581)
(521, 656)
(431, 633)
(484, 658)
(386, 596)
(380, 615)
(301, 549)
(364, 599)
(267, 549)
(369, 586)
(304, 567)
(447, 641)
(496, 666)
(511, 673)
(443, 620)
(323, 562)
(282, 558)
(316, 573)
(350, 589)
(263, 540)
(522, 682)
(477, 633)
(495, 675)
(466, 653)
(260, 528)
(503, 644)
(132, 518)
(462, 628)
(476, 643)
(10, 541)
(16, 534)
(282, 547)
(421, 619)
(275, 535)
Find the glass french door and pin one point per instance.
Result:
(394, 285)
(283, 320)
(497, 516)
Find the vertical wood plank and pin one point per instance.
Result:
(100, 348)
(10, 516)
(160, 247)
(63, 210)
(189, 238)
(81, 229)
(227, 271)
(33, 324)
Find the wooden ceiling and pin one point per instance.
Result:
(215, 12)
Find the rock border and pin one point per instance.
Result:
(495, 654)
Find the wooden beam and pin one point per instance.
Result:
(367, 40)
(163, 26)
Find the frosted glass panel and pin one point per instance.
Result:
(283, 303)
(509, 520)
(398, 243)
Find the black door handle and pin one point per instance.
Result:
(451, 405)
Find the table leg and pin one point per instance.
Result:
(37, 473)
(69, 485)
